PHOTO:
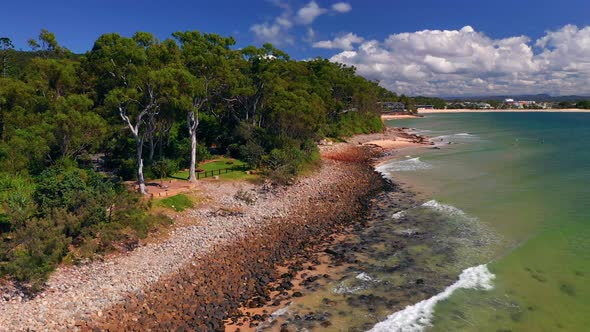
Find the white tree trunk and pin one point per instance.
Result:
(193, 123)
(140, 179)
(192, 169)
(139, 145)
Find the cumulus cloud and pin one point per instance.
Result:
(341, 7)
(275, 33)
(344, 42)
(465, 61)
(279, 30)
(307, 14)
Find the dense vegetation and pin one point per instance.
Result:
(137, 108)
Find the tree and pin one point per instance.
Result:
(132, 84)
(208, 58)
(6, 50)
(47, 44)
(76, 127)
(52, 78)
(136, 107)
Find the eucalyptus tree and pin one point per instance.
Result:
(52, 78)
(75, 127)
(261, 72)
(126, 83)
(6, 50)
(46, 43)
(209, 58)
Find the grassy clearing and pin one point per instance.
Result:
(219, 163)
(177, 203)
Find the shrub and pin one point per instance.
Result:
(202, 153)
(163, 168)
(252, 154)
(69, 207)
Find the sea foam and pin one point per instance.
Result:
(446, 209)
(417, 317)
(412, 164)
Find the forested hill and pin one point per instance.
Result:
(146, 107)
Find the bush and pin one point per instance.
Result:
(252, 154)
(126, 169)
(163, 168)
(37, 250)
(69, 207)
(202, 153)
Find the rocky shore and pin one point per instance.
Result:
(201, 275)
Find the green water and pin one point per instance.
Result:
(527, 177)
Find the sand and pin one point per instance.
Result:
(393, 144)
(397, 116)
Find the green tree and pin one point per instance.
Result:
(76, 128)
(6, 53)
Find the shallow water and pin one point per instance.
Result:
(498, 239)
(526, 177)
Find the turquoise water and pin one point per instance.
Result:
(525, 177)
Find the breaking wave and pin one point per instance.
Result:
(412, 164)
(446, 209)
(398, 215)
(454, 138)
(417, 317)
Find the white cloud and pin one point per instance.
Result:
(465, 61)
(280, 30)
(275, 33)
(310, 35)
(344, 42)
(341, 7)
(307, 14)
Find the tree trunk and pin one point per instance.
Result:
(152, 148)
(193, 123)
(192, 169)
(140, 179)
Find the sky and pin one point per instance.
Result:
(428, 47)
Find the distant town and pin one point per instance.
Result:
(412, 105)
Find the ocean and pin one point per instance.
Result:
(489, 231)
(525, 176)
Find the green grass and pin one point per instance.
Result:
(177, 203)
(219, 163)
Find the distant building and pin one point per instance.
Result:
(519, 104)
(483, 106)
(393, 107)
(424, 107)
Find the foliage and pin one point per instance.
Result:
(135, 105)
(66, 206)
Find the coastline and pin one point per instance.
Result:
(155, 285)
(569, 110)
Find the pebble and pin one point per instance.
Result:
(93, 291)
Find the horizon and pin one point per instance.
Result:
(455, 49)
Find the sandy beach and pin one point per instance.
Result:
(397, 116)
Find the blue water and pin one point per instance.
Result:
(526, 177)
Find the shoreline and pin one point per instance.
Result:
(134, 288)
(569, 110)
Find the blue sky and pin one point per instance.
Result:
(420, 47)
